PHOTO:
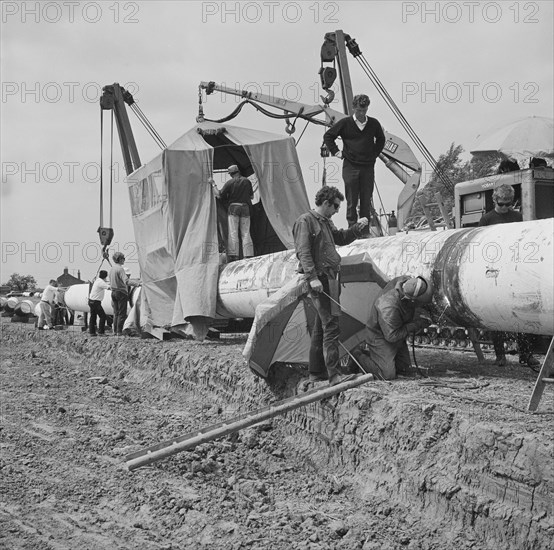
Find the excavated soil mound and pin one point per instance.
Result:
(452, 461)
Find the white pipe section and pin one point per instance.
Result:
(499, 277)
(76, 298)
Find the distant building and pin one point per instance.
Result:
(5, 289)
(66, 279)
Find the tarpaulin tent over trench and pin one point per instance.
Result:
(282, 327)
(175, 215)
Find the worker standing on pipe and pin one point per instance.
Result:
(394, 315)
(503, 212)
(315, 237)
(118, 284)
(363, 140)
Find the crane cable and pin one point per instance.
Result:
(148, 125)
(366, 67)
(106, 233)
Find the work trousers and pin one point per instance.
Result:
(119, 305)
(358, 186)
(239, 220)
(524, 344)
(45, 315)
(386, 358)
(96, 311)
(324, 345)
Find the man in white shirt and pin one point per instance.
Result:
(47, 300)
(363, 140)
(95, 304)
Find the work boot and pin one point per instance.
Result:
(339, 379)
(529, 360)
(318, 377)
(501, 360)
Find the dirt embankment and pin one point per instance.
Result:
(453, 462)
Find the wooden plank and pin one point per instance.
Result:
(546, 370)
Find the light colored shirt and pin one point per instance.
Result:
(361, 125)
(98, 289)
(118, 278)
(49, 294)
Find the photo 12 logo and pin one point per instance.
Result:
(470, 12)
(469, 92)
(69, 252)
(58, 172)
(57, 92)
(270, 12)
(70, 12)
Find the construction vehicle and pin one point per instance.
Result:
(534, 188)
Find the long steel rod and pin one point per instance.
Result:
(189, 441)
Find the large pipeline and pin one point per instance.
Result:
(498, 277)
(76, 298)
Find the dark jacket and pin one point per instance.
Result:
(237, 190)
(391, 314)
(493, 217)
(358, 146)
(315, 237)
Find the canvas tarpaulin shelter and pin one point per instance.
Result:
(282, 326)
(175, 215)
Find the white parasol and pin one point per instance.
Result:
(521, 139)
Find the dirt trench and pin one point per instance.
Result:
(449, 462)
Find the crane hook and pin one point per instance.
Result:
(329, 99)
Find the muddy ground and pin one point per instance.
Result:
(453, 462)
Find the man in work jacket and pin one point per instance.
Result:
(315, 237)
(394, 315)
(237, 193)
(363, 140)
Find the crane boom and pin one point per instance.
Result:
(396, 154)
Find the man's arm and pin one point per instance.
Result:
(346, 236)
(303, 245)
(331, 135)
(391, 324)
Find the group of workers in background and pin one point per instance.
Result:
(117, 280)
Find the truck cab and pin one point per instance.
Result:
(534, 195)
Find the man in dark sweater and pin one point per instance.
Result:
(503, 212)
(363, 140)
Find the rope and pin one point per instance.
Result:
(366, 67)
(148, 125)
(267, 113)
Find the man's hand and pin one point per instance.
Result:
(316, 285)
(363, 222)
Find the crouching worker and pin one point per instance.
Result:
(396, 313)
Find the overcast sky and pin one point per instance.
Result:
(456, 69)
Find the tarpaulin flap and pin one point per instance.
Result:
(194, 230)
(282, 189)
(175, 214)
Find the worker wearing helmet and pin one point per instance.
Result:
(396, 313)
(363, 140)
(118, 284)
